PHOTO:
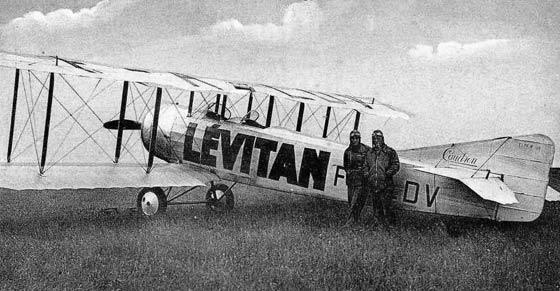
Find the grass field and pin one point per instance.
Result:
(61, 240)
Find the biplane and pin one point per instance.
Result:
(76, 124)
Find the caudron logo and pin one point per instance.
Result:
(458, 157)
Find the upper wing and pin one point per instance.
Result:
(94, 175)
(193, 83)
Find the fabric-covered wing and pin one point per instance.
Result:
(193, 83)
(107, 175)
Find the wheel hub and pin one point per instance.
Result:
(150, 203)
(219, 194)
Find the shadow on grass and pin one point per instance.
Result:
(44, 226)
(260, 213)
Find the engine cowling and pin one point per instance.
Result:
(167, 117)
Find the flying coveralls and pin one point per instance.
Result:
(382, 163)
(354, 159)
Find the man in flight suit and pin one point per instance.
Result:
(382, 163)
(354, 159)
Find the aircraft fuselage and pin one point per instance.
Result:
(288, 161)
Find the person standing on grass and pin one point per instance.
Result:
(382, 163)
(354, 160)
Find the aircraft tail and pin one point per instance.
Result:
(521, 162)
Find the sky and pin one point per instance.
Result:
(466, 70)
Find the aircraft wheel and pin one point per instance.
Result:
(219, 198)
(151, 202)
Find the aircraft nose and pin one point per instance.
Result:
(146, 128)
(166, 119)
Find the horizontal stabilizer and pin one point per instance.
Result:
(492, 188)
(448, 172)
(552, 195)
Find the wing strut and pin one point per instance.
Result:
(47, 124)
(224, 101)
(357, 120)
(191, 99)
(300, 116)
(217, 104)
(326, 126)
(13, 121)
(270, 108)
(121, 121)
(153, 139)
(250, 104)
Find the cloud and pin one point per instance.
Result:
(67, 19)
(299, 18)
(60, 31)
(452, 49)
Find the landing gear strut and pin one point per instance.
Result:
(153, 201)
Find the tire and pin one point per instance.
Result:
(151, 202)
(219, 198)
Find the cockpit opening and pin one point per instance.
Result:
(250, 118)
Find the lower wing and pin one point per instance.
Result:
(19, 176)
